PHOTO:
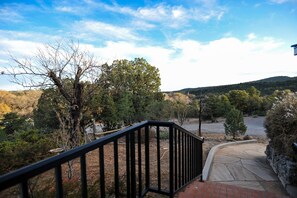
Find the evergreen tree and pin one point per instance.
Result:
(234, 124)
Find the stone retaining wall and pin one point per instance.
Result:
(285, 169)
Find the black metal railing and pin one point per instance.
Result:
(158, 157)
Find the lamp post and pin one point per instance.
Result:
(295, 49)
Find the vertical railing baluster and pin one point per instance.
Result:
(102, 174)
(191, 159)
(179, 160)
(83, 175)
(171, 161)
(133, 171)
(128, 164)
(188, 158)
(195, 157)
(175, 159)
(200, 159)
(158, 158)
(139, 165)
(116, 167)
(193, 154)
(147, 158)
(59, 184)
(24, 189)
(183, 159)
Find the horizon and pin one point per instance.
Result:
(194, 44)
(178, 89)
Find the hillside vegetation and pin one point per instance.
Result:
(265, 86)
(21, 102)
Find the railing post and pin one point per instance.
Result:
(171, 192)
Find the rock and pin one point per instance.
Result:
(247, 137)
(285, 169)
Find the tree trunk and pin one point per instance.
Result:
(94, 129)
(76, 115)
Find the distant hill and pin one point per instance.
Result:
(267, 86)
(275, 79)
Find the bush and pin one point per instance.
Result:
(281, 125)
(28, 147)
(234, 124)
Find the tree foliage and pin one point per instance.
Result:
(13, 123)
(4, 109)
(239, 99)
(128, 87)
(216, 106)
(180, 104)
(27, 147)
(234, 124)
(50, 106)
(281, 124)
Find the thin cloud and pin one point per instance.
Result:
(165, 14)
(90, 28)
(172, 16)
(69, 9)
(8, 14)
(283, 1)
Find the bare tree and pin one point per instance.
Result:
(60, 65)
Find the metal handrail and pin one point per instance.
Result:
(185, 162)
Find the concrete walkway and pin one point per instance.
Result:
(244, 165)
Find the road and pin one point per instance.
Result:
(255, 126)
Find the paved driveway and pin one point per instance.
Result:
(255, 126)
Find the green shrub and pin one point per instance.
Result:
(281, 125)
(28, 147)
(234, 124)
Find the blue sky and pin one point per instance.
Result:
(194, 43)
